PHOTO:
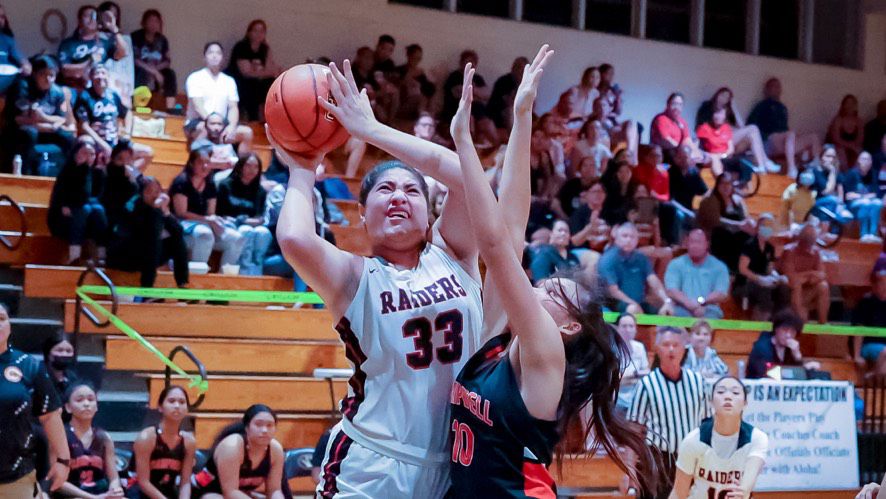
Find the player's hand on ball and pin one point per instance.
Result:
(528, 88)
(461, 122)
(352, 107)
(291, 159)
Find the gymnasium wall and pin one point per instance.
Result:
(647, 70)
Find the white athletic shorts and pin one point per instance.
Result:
(352, 471)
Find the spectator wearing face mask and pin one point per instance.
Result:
(797, 200)
(59, 358)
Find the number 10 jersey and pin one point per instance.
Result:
(407, 334)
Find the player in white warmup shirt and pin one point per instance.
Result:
(722, 458)
(410, 316)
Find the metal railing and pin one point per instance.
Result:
(872, 429)
(200, 368)
(23, 227)
(83, 310)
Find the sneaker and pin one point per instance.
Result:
(773, 167)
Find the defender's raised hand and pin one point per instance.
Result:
(460, 128)
(528, 88)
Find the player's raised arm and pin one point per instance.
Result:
(542, 356)
(353, 110)
(331, 272)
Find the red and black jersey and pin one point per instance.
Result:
(88, 463)
(166, 465)
(498, 448)
(206, 480)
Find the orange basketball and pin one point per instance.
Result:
(295, 119)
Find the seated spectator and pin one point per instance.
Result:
(744, 137)
(211, 91)
(59, 360)
(828, 204)
(697, 282)
(778, 347)
(41, 113)
(93, 463)
(715, 138)
(501, 101)
(164, 454)
(610, 91)
(685, 184)
(622, 135)
(102, 116)
(875, 130)
(253, 67)
(241, 200)
(620, 186)
(846, 131)
(636, 367)
(75, 213)
(771, 117)
(870, 351)
(757, 281)
(194, 197)
(590, 223)
(669, 129)
(148, 236)
(384, 50)
(414, 87)
(122, 71)
(554, 256)
(652, 173)
(485, 131)
(802, 264)
(570, 194)
(229, 469)
(92, 42)
(644, 214)
(548, 172)
(629, 278)
(121, 183)
(700, 357)
(797, 201)
(153, 66)
(593, 144)
(12, 63)
(223, 155)
(582, 96)
(724, 216)
(858, 194)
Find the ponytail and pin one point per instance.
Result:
(594, 363)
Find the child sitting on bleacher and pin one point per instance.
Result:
(93, 468)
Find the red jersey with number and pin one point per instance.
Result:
(407, 334)
(498, 448)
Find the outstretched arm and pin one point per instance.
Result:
(542, 357)
(353, 110)
(331, 272)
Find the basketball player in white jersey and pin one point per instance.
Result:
(722, 458)
(409, 316)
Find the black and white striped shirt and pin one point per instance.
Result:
(669, 409)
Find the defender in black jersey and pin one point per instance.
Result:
(514, 399)
(163, 453)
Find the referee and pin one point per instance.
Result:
(26, 396)
(670, 401)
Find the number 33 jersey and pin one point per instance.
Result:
(407, 334)
(713, 472)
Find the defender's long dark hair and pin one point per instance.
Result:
(595, 359)
(239, 428)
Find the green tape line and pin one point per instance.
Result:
(196, 381)
(735, 325)
(208, 294)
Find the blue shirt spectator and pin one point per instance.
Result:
(554, 256)
(628, 275)
(697, 281)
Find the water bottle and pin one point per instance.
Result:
(742, 369)
(17, 164)
(46, 166)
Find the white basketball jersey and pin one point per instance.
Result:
(407, 334)
(711, 473)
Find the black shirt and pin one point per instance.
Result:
(684, 188)
(206, 480)
(760, 259)
(198, 202)
(243, 52)
(74, 50)
(236, 199)
(26, 97)
(871, 311)
(450, 102)
(499, 448)
(874, 131)
(504, 88)
(102, 113)
(153, 52)
(26, 393)
(119, 189)
(764, 357)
